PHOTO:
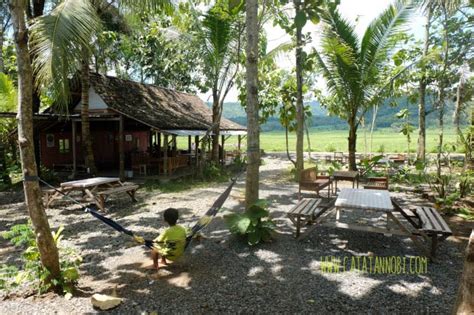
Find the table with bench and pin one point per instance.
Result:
(352, 176)
(426, 223)
(96, 190)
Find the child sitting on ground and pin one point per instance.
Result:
(169, 244)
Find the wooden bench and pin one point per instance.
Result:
(377, 183)
(310, 180)
(308, 210)
(102, 195)
(433, 225)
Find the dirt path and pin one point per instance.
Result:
(221, 274)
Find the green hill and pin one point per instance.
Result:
(322, 121)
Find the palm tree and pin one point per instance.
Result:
(58, 40)
(253, 143)
(352, 67)
(62, 42)
(221, 38)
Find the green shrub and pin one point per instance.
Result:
(381, 149)
(330, 148)
(253, 224)
(32, 271)
(466, 214)
(49, 175)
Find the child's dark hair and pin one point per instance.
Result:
(171, 215)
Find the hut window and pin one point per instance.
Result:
(63, 145)
(50, 140)
(128, 138)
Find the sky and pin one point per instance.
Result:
(359, 12)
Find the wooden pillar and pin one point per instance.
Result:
(74, 162)
(158, 143)
(222, 149)
(121, 150)
(189, 144)
(150, 140)
(196, 149)
(165, 155)
(173, 141)
(239, 142)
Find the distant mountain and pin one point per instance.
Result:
(386, 116)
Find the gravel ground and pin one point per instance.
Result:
(221, 274)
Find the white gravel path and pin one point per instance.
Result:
(223, 275)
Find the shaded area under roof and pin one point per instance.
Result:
(181, 132)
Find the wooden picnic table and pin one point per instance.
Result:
(96, 189)
(368, 200)
(352, 176)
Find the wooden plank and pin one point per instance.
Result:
(425, 223)
(444, 226)
(432, 221)
(300, 206)
(118, 189)
(363, 228)
(89, 182)
(431, 216)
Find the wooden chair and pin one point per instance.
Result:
(380, 183)
(310, 180)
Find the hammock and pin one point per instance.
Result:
(199, 226)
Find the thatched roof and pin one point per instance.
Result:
(156, 106)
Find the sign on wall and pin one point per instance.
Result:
(50, 140)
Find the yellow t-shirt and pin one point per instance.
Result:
(171, 242)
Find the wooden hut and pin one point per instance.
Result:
(134, 127)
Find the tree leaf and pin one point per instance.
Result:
(255, 237)
(237, 223)
(300, 19)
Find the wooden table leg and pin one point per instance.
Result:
(98, 200)
(316, 223)
(298, 226)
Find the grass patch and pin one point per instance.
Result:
(466, 214)
(387, 140)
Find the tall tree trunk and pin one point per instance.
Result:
(440, 135)
(47, 248)
(2, 34)
(470, 158)
(253, 131)
(443, 85)
(299, 96)
(85, 124)
(308, 139)
(421, 150)
(216, 108)
(458, 108)
(287, 147)
(352, 140)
